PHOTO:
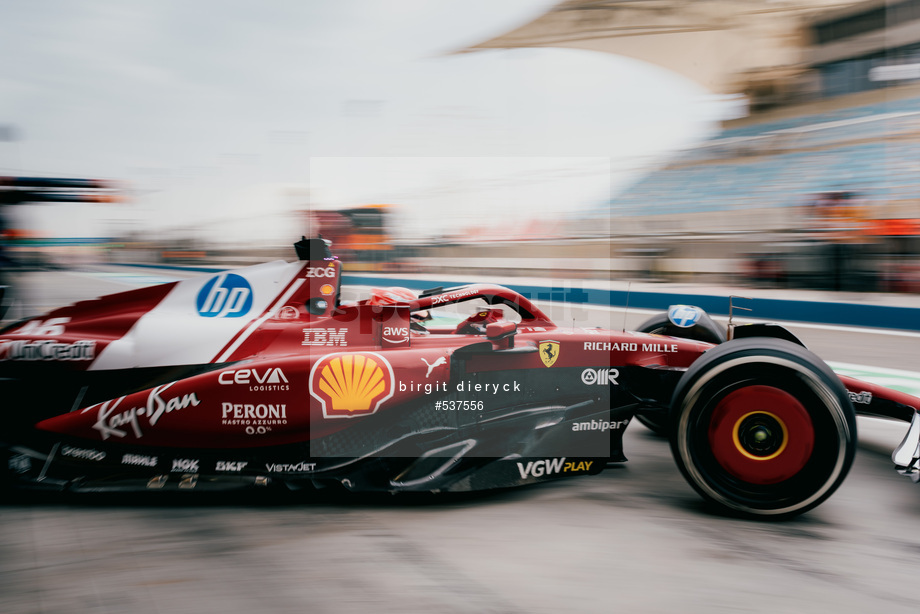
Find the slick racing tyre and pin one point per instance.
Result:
(704, 330)
(762, 428)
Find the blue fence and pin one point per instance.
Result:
(786, 309)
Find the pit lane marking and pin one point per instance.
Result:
(868, 330)
(896, 379)
(845, 329)
(128, 279)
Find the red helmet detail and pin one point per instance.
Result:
(391, 296)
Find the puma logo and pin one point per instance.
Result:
(440, 361)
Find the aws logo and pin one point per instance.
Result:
(225, 296)
(396, 334)
(350, 385)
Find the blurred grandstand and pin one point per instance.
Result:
(817, 187)
(361, 235)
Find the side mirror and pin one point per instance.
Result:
(501, 334)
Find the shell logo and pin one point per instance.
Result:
(352, 384)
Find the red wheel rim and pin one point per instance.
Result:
(761, 434)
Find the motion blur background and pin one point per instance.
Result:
(761, 142)
(769, 142)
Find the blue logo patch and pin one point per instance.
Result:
(225, 296)
(684, 316)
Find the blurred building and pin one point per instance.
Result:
(833, 92)
(752, 47)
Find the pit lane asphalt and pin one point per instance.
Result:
(633, 539)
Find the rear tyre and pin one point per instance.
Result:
(762, 428)
(704, 330)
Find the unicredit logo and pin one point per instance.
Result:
(225, 296)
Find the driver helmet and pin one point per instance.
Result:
(394, 295)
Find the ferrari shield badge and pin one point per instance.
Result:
(549, 352)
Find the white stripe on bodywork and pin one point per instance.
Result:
(252, 327)
(173, 333)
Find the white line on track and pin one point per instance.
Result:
(127, 279)
(880, 370)
(833, 327)
(842, 329)
(896, 379)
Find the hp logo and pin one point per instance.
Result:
(225, 296)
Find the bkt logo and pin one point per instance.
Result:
(225, 296)
(684, 316)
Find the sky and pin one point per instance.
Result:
(220, 117)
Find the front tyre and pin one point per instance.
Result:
(762, 428)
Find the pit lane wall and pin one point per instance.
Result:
(887, 311)
(873, 310)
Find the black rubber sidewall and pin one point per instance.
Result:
(705, 330)
(810, 381)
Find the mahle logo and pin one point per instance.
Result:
(225, 296)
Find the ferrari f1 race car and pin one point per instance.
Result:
(263, 376)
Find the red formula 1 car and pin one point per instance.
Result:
(262, 376)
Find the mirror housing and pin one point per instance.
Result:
(501, 334)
